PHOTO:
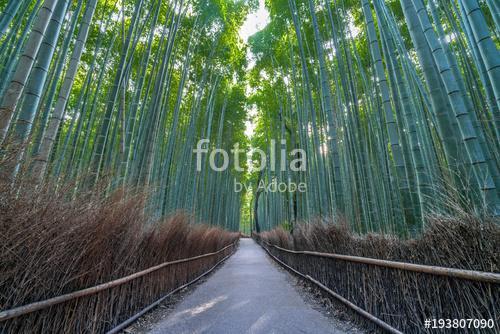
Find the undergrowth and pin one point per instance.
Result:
(54, 242)
(404, 299)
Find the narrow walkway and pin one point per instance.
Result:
(248, 294)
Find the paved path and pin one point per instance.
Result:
(248, 294)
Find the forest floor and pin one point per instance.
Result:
(248, 294)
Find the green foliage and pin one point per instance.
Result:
(386, 178)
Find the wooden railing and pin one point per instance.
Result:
(396, 296)
(164, 283)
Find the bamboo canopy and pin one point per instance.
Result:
(392, 107)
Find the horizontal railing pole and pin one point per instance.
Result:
(472, 275)
(136, 316)
(36, 306)
(346, 302)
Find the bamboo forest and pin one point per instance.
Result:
(143, 143)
